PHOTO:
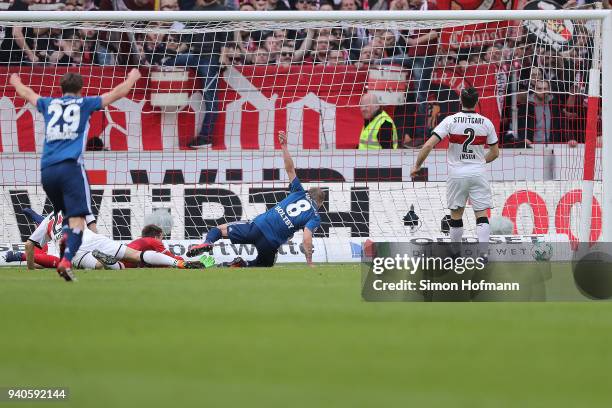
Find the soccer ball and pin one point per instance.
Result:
(542, 251)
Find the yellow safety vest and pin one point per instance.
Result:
(369, 134)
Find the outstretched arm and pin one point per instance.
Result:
(289, 166)
(122, 89)
(423, 153)
(307, 243)
(24, 91)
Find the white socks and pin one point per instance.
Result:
(483, 231)
(456, 233)
(157, 259)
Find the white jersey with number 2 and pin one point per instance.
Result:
(468, 132)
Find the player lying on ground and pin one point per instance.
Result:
(150, 240)
(268, 231)
(49, 233)
(36, 257)
(63, 175)
(41, 249)
(468, 132)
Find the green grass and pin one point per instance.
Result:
(291, 337)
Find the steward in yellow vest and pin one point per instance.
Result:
(379, 132)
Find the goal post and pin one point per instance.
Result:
(606, 118)
(232, 82)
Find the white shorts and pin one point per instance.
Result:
(475, 187)
(83, 258)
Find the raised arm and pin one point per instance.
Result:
(24, 91)
(307, 243)
(298, 55)
(423, 153)
(289, 166)
(23, 44)
(122, 89)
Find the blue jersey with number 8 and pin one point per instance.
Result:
(295, 212)
(66, 126)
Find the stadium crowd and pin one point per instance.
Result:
(552, 107)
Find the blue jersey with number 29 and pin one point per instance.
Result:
(295, 212)
(66, 126)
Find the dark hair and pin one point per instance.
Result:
(151, 231)
(469, 97)
(71, 82)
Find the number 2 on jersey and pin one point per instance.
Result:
(295, 209)
(470, 138)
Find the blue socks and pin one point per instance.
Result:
(73, 241)
(33, 215)
(213, 235)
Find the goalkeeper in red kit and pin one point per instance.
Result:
(150, 240)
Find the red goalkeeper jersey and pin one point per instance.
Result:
(149, 244)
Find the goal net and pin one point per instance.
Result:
(197, 138)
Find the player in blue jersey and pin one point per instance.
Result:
(268, 231)
(63, 176)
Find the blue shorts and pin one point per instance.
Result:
(246, 232)
(67, 187)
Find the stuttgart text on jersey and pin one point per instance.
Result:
(473, 120)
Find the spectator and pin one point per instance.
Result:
(74, 5)
(392, 47)
(95, 49)
(204, 56)
(186, 4)
(19, 45)
(354, 37)
(321, 49)
(379, 130)
(367, 56)
(231, 55)
(261, 5)
(399, 5)
(69, 49)
(272, 44)
(378, 4)
(152, 48)
(493, 55)
(336, 56)
(247, 6)
(326, 6)
(289, 55)
(305, 5)
(90, 5)
(125, 5)
(169, 5)
(260, 56)
(279, 5)
(285, 58)
(422, 50)
(541, 116)
(348, 5)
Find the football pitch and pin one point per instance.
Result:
(290, 336)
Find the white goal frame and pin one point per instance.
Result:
(605, 16)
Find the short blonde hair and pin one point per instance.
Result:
(317, 194)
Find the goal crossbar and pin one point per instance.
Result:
(244, 16)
